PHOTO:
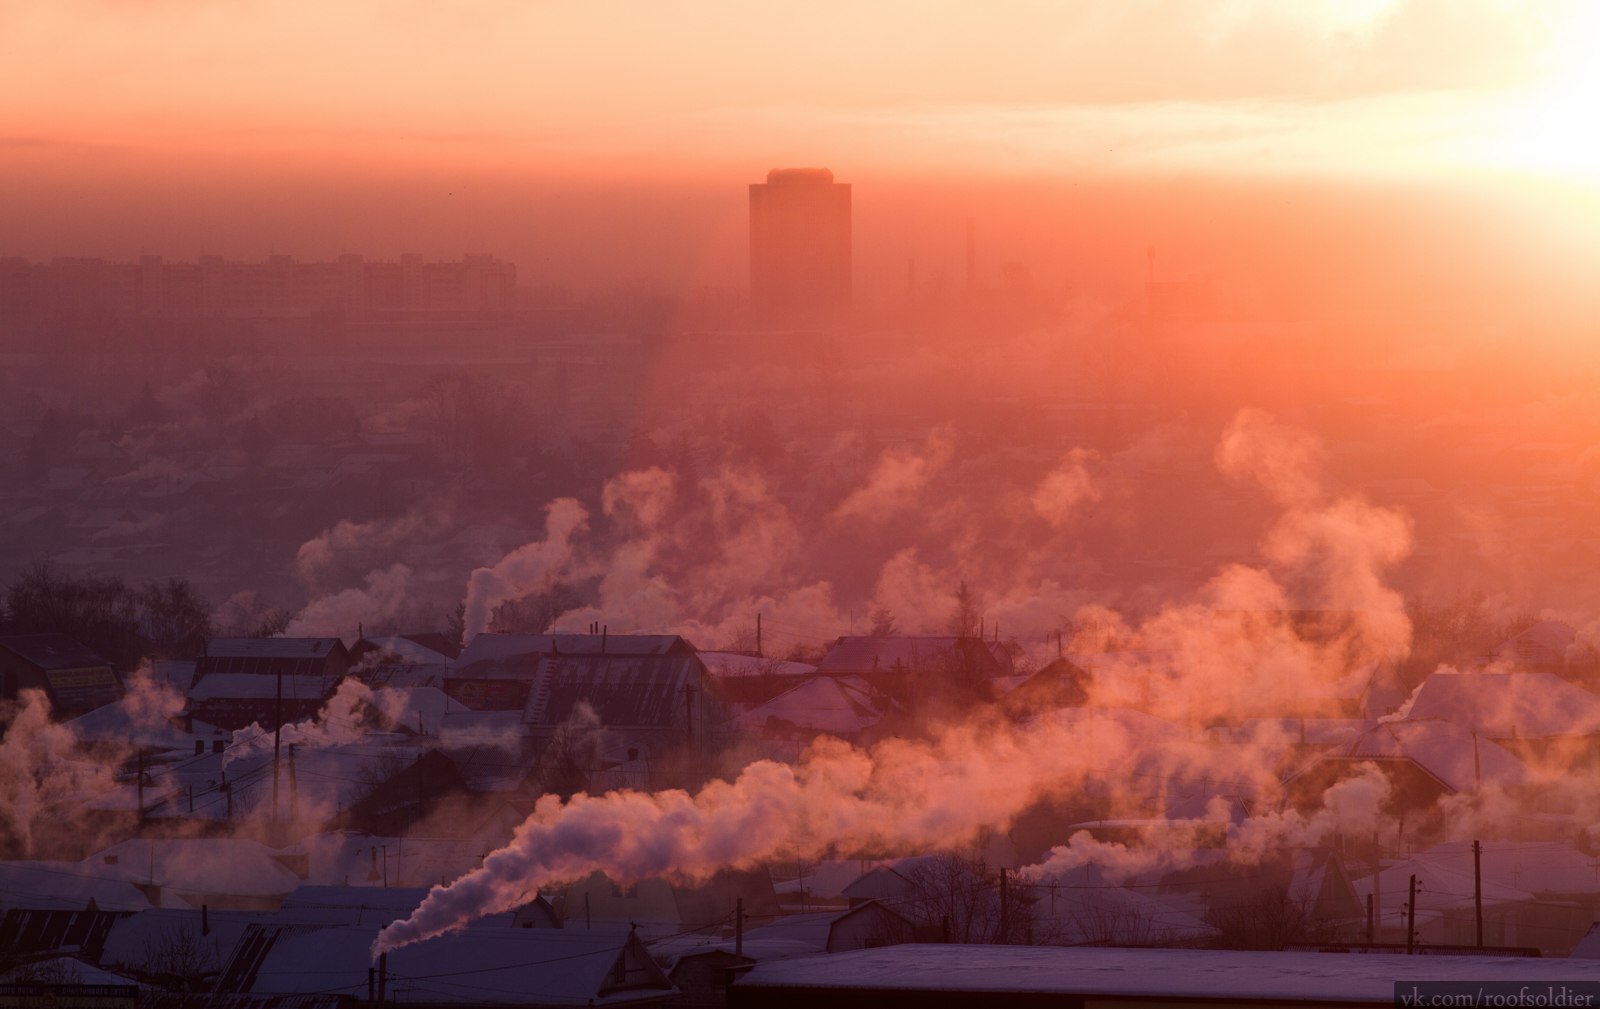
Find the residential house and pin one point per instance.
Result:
(74, 677)
(477, 967)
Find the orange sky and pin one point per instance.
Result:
(308, 127)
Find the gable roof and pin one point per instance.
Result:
(623, 690)
(841, 705)
(1544, 645)
(523, 966)
(1456, 757)
(1508, 705)
(914, 654)
(53, 651)
(488, 647)
(273, 648)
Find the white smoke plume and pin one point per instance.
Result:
(1350, 807)
(900, 796)
(897, 481)
(353, 711)
(1069, 485)
(40, 764)
(343, 613)
(317, 557)
(529, 568)
(1237, 649)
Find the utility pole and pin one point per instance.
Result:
(758, 636)
(738, 926)
(1411, 917)
(294, 788)
(277, 738)
(141, 784)
(1477, 886)
(1370, 920)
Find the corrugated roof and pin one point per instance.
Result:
(521, 966)
(623, 690)
(732, 665)
(252, 686)
(883, 654)
(500, 647)
(67, 885)
(842, 705)
(1443, 750)
(1508, 705)
(272, 648)
(53, 651)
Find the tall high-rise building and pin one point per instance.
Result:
(800, 249)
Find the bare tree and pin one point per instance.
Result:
(180, 958)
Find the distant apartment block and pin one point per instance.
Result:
(800, 249)
(352, 287)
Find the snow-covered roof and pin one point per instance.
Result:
(914, 654)
(1459, 759)
(419, 709)
(1218, 975)
(1443, 884)
(801, 929)
(1507, 705)
(113, 723)
(1545, 644)
(841, 705)
(523, 966)
(209, 869)
(500, 647)
(1588, 947)
(67, 886)
(1304, 731)
(732, 665)
(255, 686)
(407, 650)
(66, 970)
(669, 952)
(1540, 867)
(272, 648)
(135, 940)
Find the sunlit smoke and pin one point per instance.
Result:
(897, 797)
(343, 613)
(530, 568)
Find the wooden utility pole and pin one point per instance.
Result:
(294, 788)
(1477, 886)
(738, 926)
(1411, 917)
(141, 784)
(277, 739)
(758, 636)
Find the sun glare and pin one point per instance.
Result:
(1550, 128)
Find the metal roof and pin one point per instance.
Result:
(499, 647)
(521, 966)
(882, 654)
(633, 690)
(53, 651)
(273, 648)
